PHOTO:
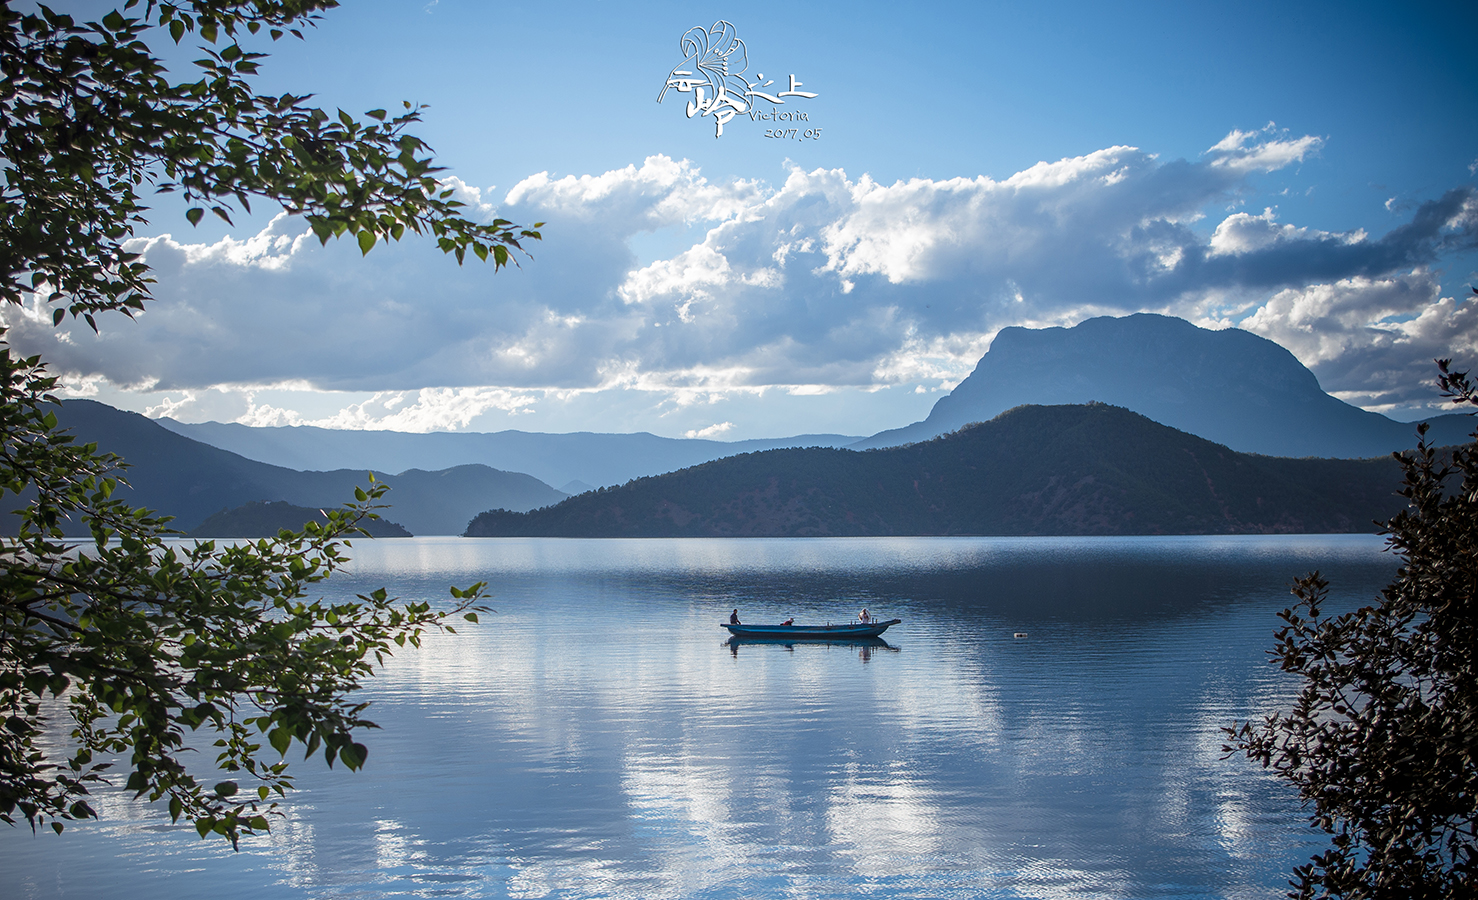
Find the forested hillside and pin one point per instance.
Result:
(1078, 470)
(265, 518)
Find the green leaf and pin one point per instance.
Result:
(195, 214)
(366, 241)
(353, 755)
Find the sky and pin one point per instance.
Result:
(1307, 172)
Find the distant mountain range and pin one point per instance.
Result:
(1093, 469)
(1231, 387)
(190, 480)
(1228, 386)
(575, 461)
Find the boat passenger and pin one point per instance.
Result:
(789, 621)
(864, 617)
(734, 617)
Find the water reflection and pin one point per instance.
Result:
(591, 740)
(863, 646)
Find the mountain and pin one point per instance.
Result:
(1093, 469)
(568, 459)
(190, 480)
(444, 501)
(265, 518)
(1229, 386)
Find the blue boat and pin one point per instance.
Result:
(811, 632)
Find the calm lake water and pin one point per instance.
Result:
(599, 737)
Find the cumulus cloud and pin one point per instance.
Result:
(662, 191)
(825, 282)
(429, 409)
(1242, 233)
(1371, 340)
(712, 431)
(1245, 152)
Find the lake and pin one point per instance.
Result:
(599, 736)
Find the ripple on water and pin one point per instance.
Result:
(598, 736)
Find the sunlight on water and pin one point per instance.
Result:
(598, 736)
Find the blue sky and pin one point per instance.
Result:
(1304, 171)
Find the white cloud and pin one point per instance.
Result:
(1242, 233)
(181, 407)
(1245, 152)
(1323, 322)
(1371, 340)
(825, 283)
(686, 275)
(661, 192)
(272, 248)
(940, 362)
(429, 409)
(711, 431)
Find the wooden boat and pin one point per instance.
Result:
(812, 632)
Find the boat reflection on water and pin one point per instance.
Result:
(865, 646)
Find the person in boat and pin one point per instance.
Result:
(789, 621)
(864, 617)
(734, 617)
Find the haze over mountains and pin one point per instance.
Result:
(191, 481)
(1230, 386)
(572, 462)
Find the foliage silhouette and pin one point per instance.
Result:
(149, 645)
(1381, 739)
